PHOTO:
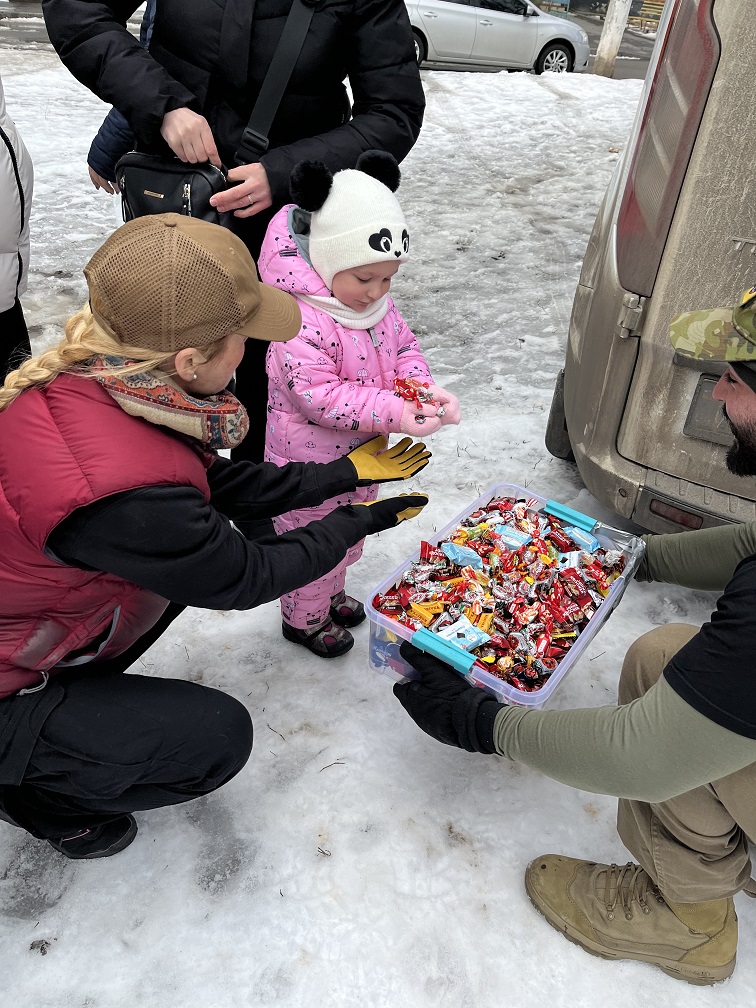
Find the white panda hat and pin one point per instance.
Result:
(355, 219)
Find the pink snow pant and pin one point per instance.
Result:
(307, 607)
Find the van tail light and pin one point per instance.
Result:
(663, 136)
(685, 518)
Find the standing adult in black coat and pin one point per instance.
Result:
(196, 85)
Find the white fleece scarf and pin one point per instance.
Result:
(347, 316)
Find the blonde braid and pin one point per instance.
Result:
(84, 340)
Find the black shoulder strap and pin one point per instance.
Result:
(254, 141)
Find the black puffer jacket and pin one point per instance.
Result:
(212, 56)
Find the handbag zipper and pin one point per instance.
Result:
(186, 204)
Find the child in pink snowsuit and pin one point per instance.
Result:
(332, 387)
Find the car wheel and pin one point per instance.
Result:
(420, 48)
(557, 437)
(555, 58)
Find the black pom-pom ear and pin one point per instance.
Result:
(310, 184)
(382, 166)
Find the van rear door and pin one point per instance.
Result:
(692, 250)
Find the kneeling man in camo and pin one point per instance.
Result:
(679, 750)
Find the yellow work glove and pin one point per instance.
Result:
(386, 514)
(377, 464)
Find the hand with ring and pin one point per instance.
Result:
(250, 196)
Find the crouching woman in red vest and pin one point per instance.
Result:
(115, 513)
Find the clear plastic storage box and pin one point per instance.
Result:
(386, 634)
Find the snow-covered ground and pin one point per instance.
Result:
(355, 861)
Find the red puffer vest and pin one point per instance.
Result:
(62, 447)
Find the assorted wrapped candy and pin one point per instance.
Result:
(413, 390)
(512, 585)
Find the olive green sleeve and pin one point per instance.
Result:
(705, 559)
(650, 750)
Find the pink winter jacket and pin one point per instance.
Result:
(330, 388)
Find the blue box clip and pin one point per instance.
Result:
(459, 659)
(566, 514)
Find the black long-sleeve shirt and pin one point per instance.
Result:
(180, 546)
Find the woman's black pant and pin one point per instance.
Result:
(14, 339)
(116, 743)
(251, 378)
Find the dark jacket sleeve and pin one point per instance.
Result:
(170, 540)
(248, 491)
(114, 138)
(92, 40)
(387, 94)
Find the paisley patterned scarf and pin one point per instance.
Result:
(219, 421)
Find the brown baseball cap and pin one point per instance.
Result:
(167, 282)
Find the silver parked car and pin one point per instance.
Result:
(676, 232)
(495, 35)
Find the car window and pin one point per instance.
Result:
(504, 6)
(460, 3)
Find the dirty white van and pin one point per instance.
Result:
(676, 231)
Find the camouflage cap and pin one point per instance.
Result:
(718, 334)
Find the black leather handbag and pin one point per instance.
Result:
(151, 184)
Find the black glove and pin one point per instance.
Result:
(385, 514)
(445, 706)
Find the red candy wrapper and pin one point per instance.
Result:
(413, 390)
(561, 540)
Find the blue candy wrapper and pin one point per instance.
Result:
(512, 537)
(462, 555)
(570, 559)
(584, 540)
(464, 634)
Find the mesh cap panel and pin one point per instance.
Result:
(168, 282)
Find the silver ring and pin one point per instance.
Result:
(251, 199)
(440, 411)
(419, 418)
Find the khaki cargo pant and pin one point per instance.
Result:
(694, 846)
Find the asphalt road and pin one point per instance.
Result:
(634, 53)
(22, 26)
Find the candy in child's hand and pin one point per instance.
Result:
(413, 390)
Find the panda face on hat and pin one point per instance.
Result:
(355, 219)
(383, 241)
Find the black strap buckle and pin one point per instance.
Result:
(251, 143)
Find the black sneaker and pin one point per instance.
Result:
(346, 611)
(100, 841)
(328, 641)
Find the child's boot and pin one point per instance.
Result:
(346, 611)
(328, 641)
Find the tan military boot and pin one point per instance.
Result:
(618, 913)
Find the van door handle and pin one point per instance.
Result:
(428, 14)
(486, 23)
